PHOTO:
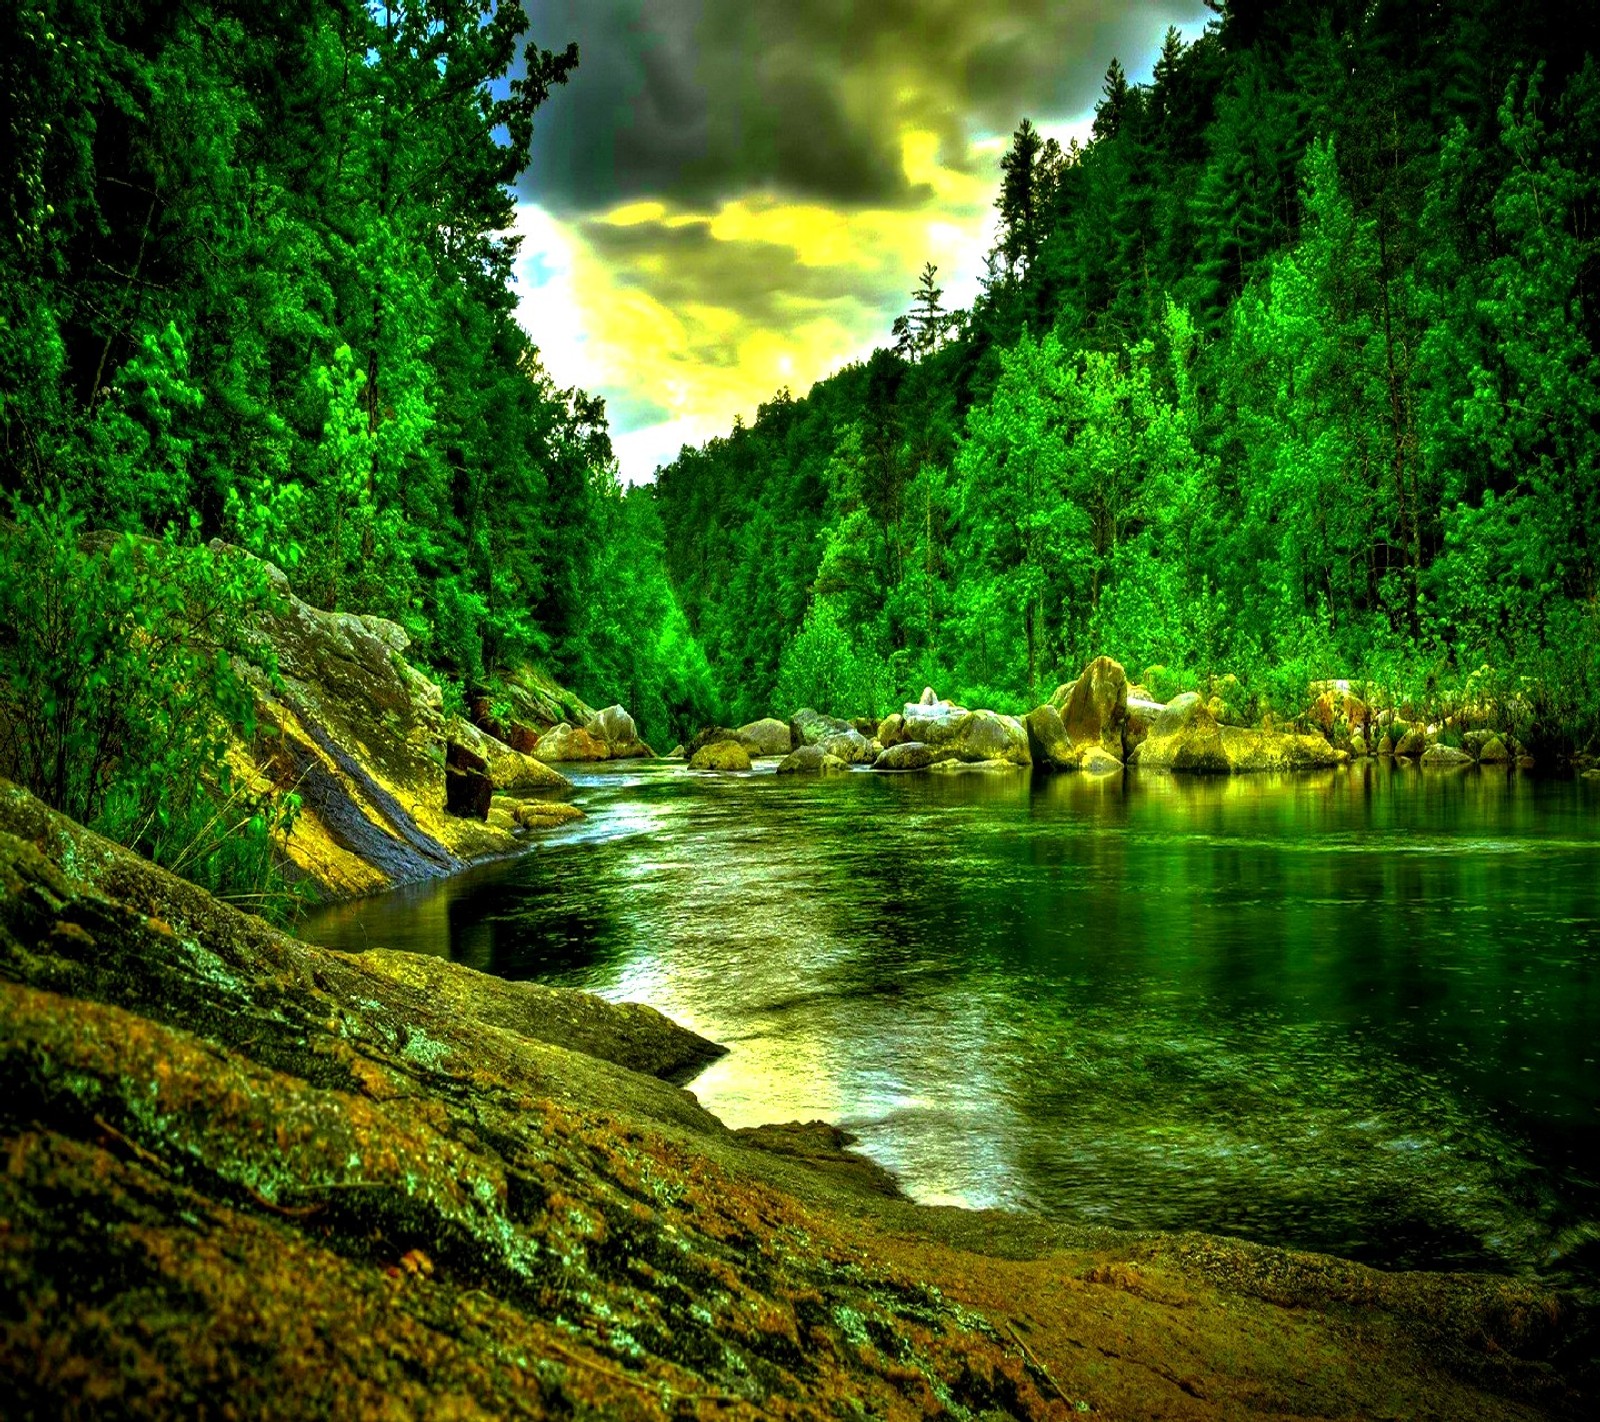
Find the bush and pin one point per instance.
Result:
(120, 691)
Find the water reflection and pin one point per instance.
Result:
(1353, 1011)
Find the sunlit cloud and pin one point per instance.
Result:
(743, 196)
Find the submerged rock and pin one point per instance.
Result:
(544, 814)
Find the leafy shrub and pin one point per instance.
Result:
(120, 690)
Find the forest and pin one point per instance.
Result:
(255, 287)
(1287, 373)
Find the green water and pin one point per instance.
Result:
(1356, 1012)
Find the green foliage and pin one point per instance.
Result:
(1289, 373)
(120, 692)
(822, 668)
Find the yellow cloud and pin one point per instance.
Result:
(684, 318)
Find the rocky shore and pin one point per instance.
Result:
(249, 1177)
(1102, 724)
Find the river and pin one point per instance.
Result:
(1355, 1012)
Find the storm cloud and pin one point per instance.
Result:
(737, 194)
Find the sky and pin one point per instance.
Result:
(731, 196)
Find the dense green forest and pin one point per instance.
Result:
(1289, 372)
(254, 285)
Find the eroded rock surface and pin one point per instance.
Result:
(360, 735)
(245, 1170)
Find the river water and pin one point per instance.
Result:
(1356, 1012)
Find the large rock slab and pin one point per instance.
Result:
(325, 1185)
(361, 736)
(1186, 737)
(512, 772)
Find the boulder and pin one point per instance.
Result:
(1494, 752)
(1412, 743)
(808, 727)
(866, 725)
(849, 746)
(708, 736)
(811, 760)
(615, 728)
(1097, 706)
(970, 736)
(563, 743)
(766, 737)
(1443, 757)
(906, 755)
(929, 697)
(1142, 711)
(1358, 744)
(1048, 742)
(1186, 737)
(916, 717)
(892, 730)
(721, 755)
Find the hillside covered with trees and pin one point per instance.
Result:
(255, 286)
(1289, 373)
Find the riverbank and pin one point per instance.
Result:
(246, 1169)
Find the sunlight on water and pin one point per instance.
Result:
(1354, 1011)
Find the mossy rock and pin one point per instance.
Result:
(721, 756)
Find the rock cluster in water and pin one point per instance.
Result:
(1100, 724)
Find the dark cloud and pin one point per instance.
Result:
(681, 266)
(698, 99)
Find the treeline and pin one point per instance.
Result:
(1288, 372)
(254, 285)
